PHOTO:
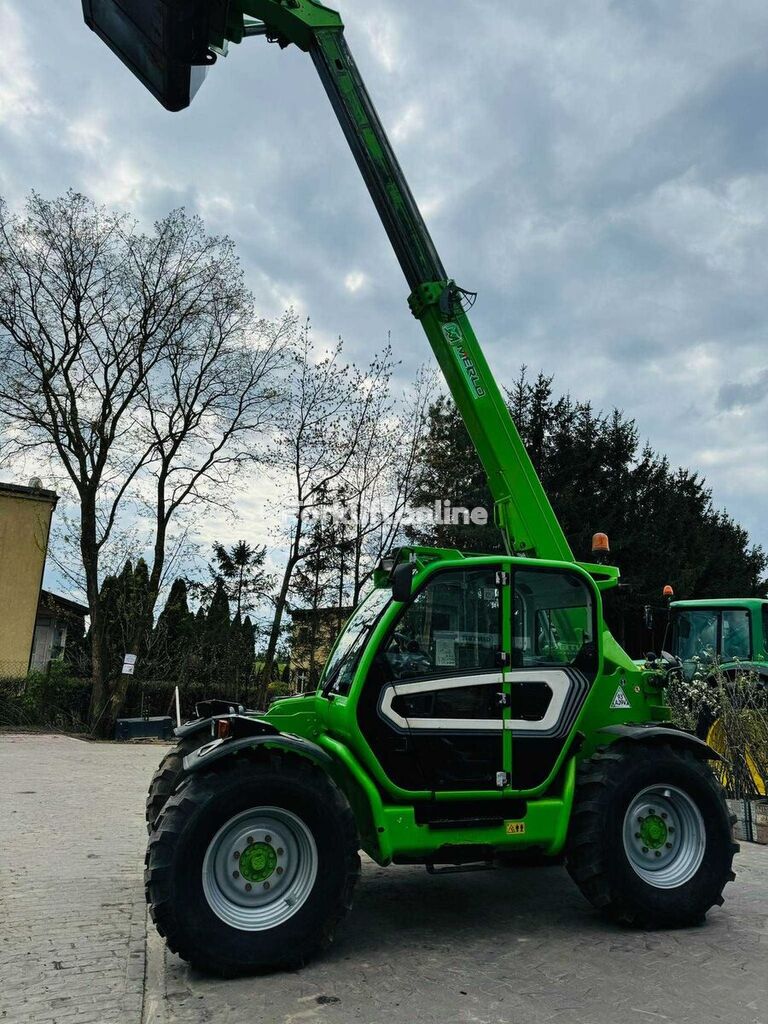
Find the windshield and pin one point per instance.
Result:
(704, 636)
(337, 677)
(696, 635)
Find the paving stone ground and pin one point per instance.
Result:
(72, 910)
(514, 947)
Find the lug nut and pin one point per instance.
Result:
(279, 871)
(248, 886)
(645, 849)
(658, 853)
(236, 855)
(671, 828)
(280, 851)
(267, 839)
(664, 815)
(249, 840)
(235, 874)
(266, 885)
(640, 819)
(637, 835)
(668, 846)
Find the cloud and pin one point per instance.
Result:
(596, 170)
(741, 395)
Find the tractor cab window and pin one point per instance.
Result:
(703, 636)
(735, 645)
(452, 627)
(695, 636)
(554, 620)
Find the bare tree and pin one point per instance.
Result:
(134, 361)
(318, 434)
(378, 481)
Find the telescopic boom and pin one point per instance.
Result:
(522, 509)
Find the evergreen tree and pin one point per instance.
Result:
(248, 649)
(241, 573)
(662, 522)
(173, 637)
(217, 635)
(127, 619)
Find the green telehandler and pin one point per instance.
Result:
(475, 708)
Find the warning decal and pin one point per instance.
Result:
(515, 828)
(620, 702)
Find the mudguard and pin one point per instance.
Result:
(217, 750)
(650, 733)
(205, 710)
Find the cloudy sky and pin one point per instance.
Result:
(597, 170)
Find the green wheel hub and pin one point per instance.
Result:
(258, 862)
(653, 832)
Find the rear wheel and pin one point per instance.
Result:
(742, 768)
(251, 867)
(650, 840)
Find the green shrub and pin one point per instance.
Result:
(735, 709)
(50, 700)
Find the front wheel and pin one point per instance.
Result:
(650, 839)
(252, 866)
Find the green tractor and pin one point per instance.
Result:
(726, 640)
(475, 708)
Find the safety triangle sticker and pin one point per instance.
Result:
(620, 702)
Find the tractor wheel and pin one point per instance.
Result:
(650, 840)
(168, 772)
(252, 866)
(741, 766)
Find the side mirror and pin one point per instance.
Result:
(402, 578)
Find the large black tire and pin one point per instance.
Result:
(189, 825)
(168, 773)
(599, 857)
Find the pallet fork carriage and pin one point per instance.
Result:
(474, 708)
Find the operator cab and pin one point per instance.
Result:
(488, 654)
(718, 633)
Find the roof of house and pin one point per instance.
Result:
(30, 493)
(50, 602)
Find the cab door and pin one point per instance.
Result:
(432, 706)
(555, 661)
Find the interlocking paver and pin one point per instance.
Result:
(72, 911)
(507, 947)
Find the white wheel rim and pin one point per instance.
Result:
(664, 836)
(259, 868)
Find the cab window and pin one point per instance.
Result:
(341, 666)
(696, 635)
(554, 620)
(452, 627)
(735, 644)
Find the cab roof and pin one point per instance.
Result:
(722, 602)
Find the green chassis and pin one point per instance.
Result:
(386, 813)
